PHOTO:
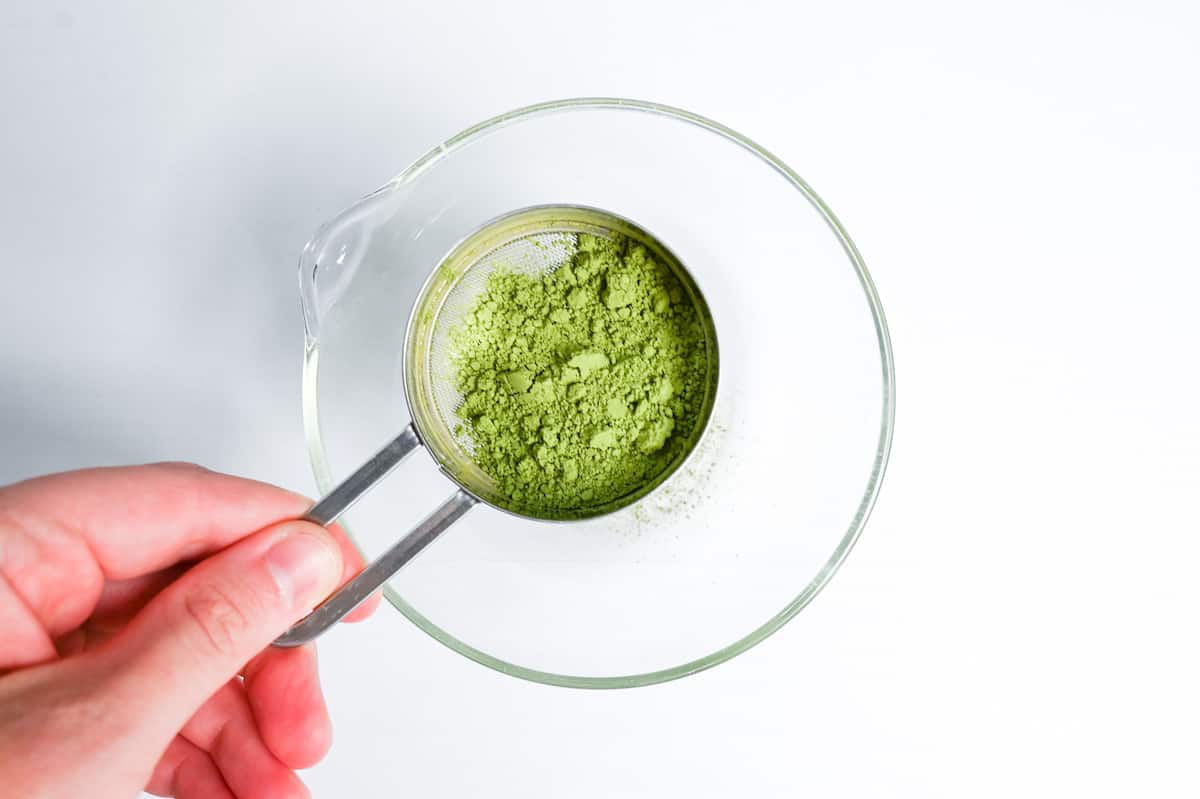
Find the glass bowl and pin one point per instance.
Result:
(732, 545)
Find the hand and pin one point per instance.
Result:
(137, 606)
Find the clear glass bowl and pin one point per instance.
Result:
(734, 544)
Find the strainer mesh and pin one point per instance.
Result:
(535, 254)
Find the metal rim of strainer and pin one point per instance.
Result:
(320, 460)
(428, 419)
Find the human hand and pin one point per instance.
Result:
(137, 606)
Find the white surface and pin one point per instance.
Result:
(1023, 181)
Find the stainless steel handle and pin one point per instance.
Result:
(370, 579)
(339, 500)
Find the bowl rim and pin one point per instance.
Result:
(324, 478)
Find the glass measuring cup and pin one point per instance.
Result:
(744, 535)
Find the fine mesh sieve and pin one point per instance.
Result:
(535, 241)
(535, 254)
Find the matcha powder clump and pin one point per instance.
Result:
(582, 385)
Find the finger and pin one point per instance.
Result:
(140, 519)
(120, 600)
(285, 696)
(65, 534)
(185, 771)
(224, 726)
(354, 563)
(62, 536)
(199, 632)
(25, 640)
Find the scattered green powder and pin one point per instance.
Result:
(582, 385)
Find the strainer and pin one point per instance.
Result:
(534, 241)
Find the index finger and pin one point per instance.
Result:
(62, 536)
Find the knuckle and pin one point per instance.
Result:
(221, 624)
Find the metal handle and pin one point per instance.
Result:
(339, 500)
(370, 579)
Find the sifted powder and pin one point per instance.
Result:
(582, 385)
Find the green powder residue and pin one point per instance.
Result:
(582, 385)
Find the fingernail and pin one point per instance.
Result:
(305, 565)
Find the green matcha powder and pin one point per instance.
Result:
(581, 386)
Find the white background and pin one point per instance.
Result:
(1024, 182)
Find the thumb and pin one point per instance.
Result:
(195, 635)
